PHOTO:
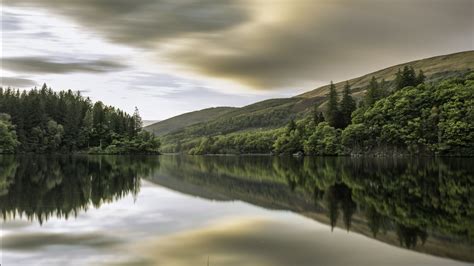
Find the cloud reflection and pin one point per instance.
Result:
(255, 241)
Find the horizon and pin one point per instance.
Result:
(135, 54)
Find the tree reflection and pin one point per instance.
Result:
(40, 187)
(404, 197)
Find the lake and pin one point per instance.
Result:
(231, 210)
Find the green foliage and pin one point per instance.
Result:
(355, 136)
(237, 143)
(291, 140)
(430, 119)
(323, 141)
(8, 139)
(47, 122)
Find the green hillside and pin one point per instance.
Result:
(275, 113)
(175, 123)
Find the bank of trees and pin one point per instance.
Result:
(403, 116)
(44, 121)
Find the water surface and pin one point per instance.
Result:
(202, 210)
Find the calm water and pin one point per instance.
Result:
(178, 210)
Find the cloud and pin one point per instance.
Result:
(49, 66)
(17, 82)
(144, 22)
(277, 44)
(10, 22)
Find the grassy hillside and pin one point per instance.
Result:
(434, 68)
(275, 113)
(175, 123)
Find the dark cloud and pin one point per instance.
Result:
(17, 82)
(47, 65)
(145, 22)
(281, 43)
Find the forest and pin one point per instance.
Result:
(45, 121)
(401, 117)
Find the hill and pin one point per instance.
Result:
(187, 119)
(275, 113)
(434, 68)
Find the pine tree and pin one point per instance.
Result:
(332, 111)
(137, 120)
(407, 77)
(348, 105)
(373, 93)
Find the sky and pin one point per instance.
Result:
(167, 57)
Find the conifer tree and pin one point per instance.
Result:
(332, 111)
(373, 93)
(348, 106)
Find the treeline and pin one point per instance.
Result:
(44, 121)
(403, 116)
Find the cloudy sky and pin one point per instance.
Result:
(172, 56)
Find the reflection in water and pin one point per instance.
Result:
(39, 187)
(250, 242)
(398, 201)
(426, 205)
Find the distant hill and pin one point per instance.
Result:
(149, 122)
(187, 119)
(274, 113)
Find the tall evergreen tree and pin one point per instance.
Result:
(373, 92)
(332, 111)
(137, 121)
(348, 105)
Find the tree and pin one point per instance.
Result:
(290, 141)
(8, 138)
(373, 93)
(408, 77)
(323, 141)
(332, 111)
(137, 121)
(348, 105)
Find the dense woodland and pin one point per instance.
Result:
(44, 121)
(403, 116)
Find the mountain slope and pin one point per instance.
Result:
(433, 67)
(187, 119)
(274, 113)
